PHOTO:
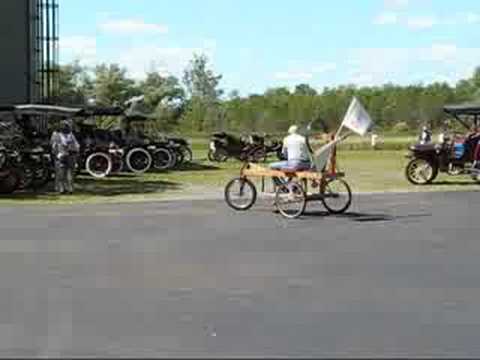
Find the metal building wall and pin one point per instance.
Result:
(28, 51)
(16, 75)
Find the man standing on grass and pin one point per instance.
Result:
(65, 148)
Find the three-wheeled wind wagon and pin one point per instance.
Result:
(295, 187)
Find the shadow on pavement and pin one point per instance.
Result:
(366, 217)
(453, 183)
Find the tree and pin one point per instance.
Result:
(164, 97)
(202, 82)
(75, 85)
(476, 78)
(112, 86)
(203, 112)
(161, 90)
(305, 90)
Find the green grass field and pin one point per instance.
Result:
(366, 171)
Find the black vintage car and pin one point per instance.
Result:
(224, 146)
(454, 155)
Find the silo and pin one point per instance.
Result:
(28, 50)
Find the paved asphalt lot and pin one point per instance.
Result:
(398, 277)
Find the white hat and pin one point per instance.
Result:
(293, 129)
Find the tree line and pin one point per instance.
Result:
(197, 104)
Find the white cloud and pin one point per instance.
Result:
(166, 60)
(421, 22)
(439, 53)
(132, 26)
(410, 65)
(396, 4)
(293, 75)
(472, 18)
(301, 72)
(395, 14)
(386, 18)
(323, 68)
(82, 48)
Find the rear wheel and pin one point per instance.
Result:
(180, 158)
(218, 155)
(139, 160)
(337, 196)
(421, 172)
(9, 183)
(99, 165)
(291, 200)
(240, 194)
(162, 159)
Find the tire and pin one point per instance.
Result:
(217, 156)
(139, 161)
(9, 183)
(187, 154)
(211, 156)
(180, 158)
(291, 200)
(239, 186)
(338, 196)
(162, 159)
(418, 176)
(98, 165)
(476, 177)
(26, 177)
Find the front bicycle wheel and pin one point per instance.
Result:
(291, 200)
(240, 194)
(337, 196)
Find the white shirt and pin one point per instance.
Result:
(296, 147)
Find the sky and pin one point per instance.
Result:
(260, 44)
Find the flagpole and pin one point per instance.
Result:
(338, 132)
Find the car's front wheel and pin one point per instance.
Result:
(421, 172)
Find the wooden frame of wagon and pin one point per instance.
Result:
(323, 174)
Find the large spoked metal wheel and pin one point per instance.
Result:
(337, 196)
(98, 165)
(240, 194)
(139, 160)
(420, 172)
(291, 200)
(162, 159)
